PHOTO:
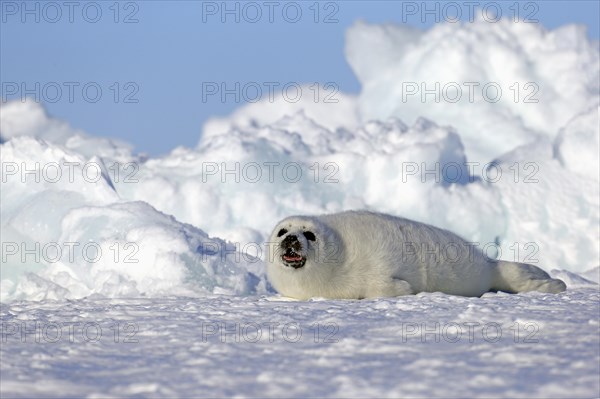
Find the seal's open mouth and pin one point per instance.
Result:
(293, 259)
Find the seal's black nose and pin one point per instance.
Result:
(291, 241)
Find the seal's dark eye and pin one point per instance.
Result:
(281, 232)
(310, 236)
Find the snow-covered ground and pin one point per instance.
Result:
(168, 251)
(429, 345)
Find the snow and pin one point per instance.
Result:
(577, 145)
(429, 345)
(323, 103)
(86, 240)
(95, 233)
(29, 119)
(560, 66)
(592, 274)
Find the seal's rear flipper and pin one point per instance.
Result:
(515, 277)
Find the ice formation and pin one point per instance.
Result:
(434, 162)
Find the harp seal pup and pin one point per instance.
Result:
(360, 254)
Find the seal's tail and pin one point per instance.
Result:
(515, 277)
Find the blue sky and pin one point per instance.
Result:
(150, 59)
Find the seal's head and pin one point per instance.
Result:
(302, 252)
(294, 240)
(294, 246)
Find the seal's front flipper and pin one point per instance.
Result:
(395, 287)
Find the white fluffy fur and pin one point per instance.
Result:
(360, 254)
